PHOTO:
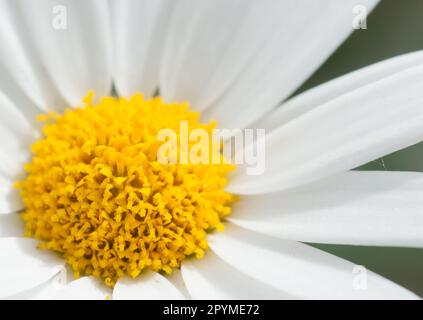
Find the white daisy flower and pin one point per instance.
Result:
(234, 61)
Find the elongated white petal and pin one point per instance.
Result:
(351, 130)
(139, 28)
(148, 286)
(357, 208)
(17, 135)
(21, 67)
(73, 41)
(331, 90)
(209, 43)
(23, 266)
(302, 37)
(86, 288)
(11, 225)
(300, 270)
(211, 278)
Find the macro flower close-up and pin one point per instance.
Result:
(113, 184)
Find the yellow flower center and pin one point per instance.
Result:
(96, 193)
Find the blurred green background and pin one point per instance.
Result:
(393, 28)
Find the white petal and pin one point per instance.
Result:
(11, 225)
(139, 31)
(299, 269)
(148, 286)
(211, 278)
(86, 288)
(73, 41)
(302, 37)
(356, 208)
(209, 42)
(328, 91)
(178, 281)
(21, 69)
(45, 291)
(23, 266)
(10, 201)
(344, 133)
(17, 135)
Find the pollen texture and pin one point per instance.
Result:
(96, 193)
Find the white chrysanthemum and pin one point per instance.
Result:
(235, 61)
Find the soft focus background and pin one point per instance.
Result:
(393, 28)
